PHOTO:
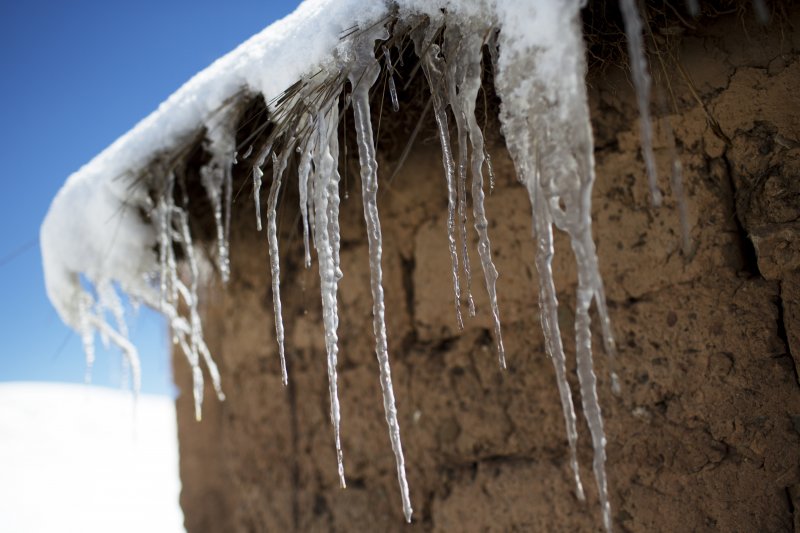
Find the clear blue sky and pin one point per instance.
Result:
(74, 76)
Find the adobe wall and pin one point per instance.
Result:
(705, 433)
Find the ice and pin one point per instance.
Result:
(585, 256)
(166, 253)
(363, 75)
(217, 178)
(464, 50)
(462, 192)
(641, 80)
(278, 167)
(548, 313)
(538, 60)
(87, 333)
(109, 299)
(97, 322)
(173, 225)
(432, 66)
(545, 120)
(303, 171)
(257, 175)
(333, 194)
(325, 132)
(191, 298)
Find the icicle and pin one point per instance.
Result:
(191, 298)
(452, 87)
(583, 248)
(545, 121)
(641, 80)
(361, 79)
(248, 152)
(548, 314)
(333, 195)
(181, 335)
(173, 224)
(257, 175)
(109, 300)
(166, 254)
(390, 72)
(465, 73)
(609, 345)
(303, 170)
(278, 167)
(91, 320)
(217, 178)
(87, 333)
(224, 247)
(170, 285)
(327, 269)
(432, 68)
(128, 350)
(162, 214)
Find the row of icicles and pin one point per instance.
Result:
(453, 72)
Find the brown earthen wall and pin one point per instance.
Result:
(704, 435)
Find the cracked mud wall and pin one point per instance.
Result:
(705, 435)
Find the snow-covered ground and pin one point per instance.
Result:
(74, 458)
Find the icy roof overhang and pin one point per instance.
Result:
(116, 222)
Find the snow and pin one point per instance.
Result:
(98, 226)
(75, 459)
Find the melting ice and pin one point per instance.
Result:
(537, 53)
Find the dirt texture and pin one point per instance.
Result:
(705, 435)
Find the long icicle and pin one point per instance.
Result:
(583, 248)
(192, 300)
(548, 313)
(461, 131)
(361, 80)
(333, 193)
(227, 185)
(546, 124)
(467, 73)
(170, 284)
(432, 68)
(278, 167)
(327, 271)
(303, 170)
(641, 81)
(257, 175)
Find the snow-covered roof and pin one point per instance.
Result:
(116, 221)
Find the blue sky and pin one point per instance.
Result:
(74, 76)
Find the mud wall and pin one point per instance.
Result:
(705, 433)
